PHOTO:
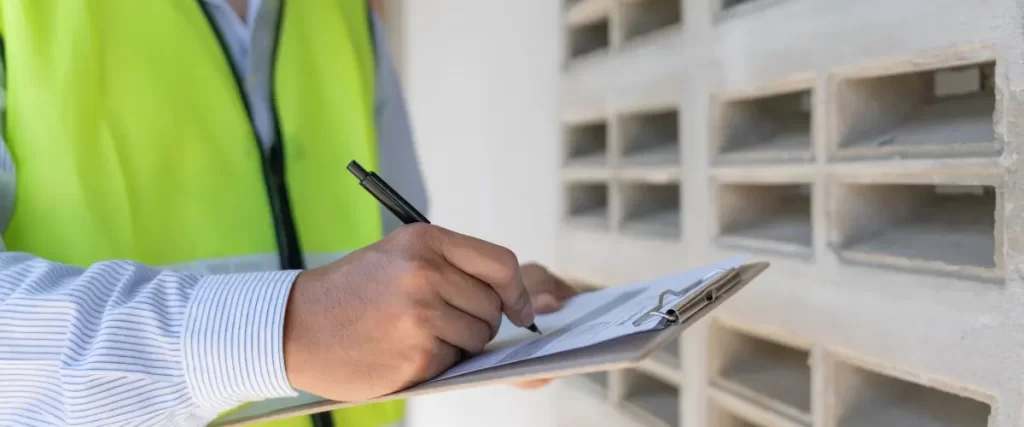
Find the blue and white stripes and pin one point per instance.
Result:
(121, 343)
(239, 318)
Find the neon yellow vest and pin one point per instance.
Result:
(131, 140)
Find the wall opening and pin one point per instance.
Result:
(651, 398)
(770, 128)
(646, 16)
(588, 144)
(589, 37)
(917, 226)
(727, 4)
(651, 138)
(766, 216)
(651, 210)
(770, 374)
(588, 205)
(665, 364)
(943, 112)
(866, 399)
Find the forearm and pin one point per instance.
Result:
(121, 341)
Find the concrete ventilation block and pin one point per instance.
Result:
(948, 229)
(774, 376)
(651, 138)
(651, 210)
(653, 401)
(770, 217)
(868, 399)
(588, 204)
(588, 144)
(770, 128)
(645, 16)
(936, 113)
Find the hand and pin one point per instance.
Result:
(399, 312)
(548, 294)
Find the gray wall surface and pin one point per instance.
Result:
(869, 149)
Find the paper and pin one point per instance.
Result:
(587, 319)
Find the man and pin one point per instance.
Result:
(181, 236)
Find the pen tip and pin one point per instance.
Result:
(533, 328)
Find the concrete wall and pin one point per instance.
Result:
(808, 133)
(804, 132)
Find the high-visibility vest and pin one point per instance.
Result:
(132, 140)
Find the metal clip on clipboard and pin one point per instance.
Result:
(714, 284)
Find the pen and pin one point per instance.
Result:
(394, 202)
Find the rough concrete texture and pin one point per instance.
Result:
(903, 305)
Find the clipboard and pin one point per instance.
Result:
(623, 352)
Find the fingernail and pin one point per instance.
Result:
(545, 303)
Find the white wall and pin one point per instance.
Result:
(481, 79)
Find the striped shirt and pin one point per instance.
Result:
(121, 343)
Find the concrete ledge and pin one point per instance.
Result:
(728, 410)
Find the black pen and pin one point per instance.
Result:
(394, 202)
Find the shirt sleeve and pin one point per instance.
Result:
(123, 343)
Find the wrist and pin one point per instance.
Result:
(297, 331)
(291, 345)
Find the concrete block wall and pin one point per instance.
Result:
(869, 149)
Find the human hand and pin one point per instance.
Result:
(548, 293)
(399, 312)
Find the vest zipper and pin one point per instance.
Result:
(288, 248)
(272, 164)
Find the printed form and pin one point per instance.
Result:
(589, 318)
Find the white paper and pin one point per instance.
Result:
(587, 319)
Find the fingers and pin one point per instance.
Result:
(533, 384)
(492, 264)
(548, 293)
(546, 303)
(461, 330)
(558, 288)
(472, 296)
